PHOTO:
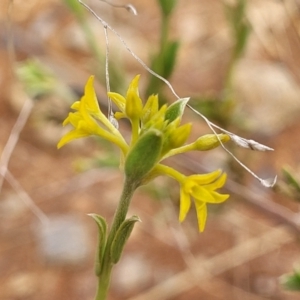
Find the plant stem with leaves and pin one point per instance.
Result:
(156, 135)
(108, 258)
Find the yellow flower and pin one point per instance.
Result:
(150, 109)
(131, 106)
(202, 188)
(89, 120)
(156, 134)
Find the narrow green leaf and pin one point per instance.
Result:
(291, 281)
(102, 229)
(242, 39)
(291, 179)
(170, 56)
(167, 6)
(239, 11)
(121, 238)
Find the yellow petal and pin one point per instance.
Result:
(89, 100)
(66, 120)
(150, 108)
(219, 198)
(134, 105)
(118, 99)
(179, 135)
(70, 136)
(185, 204)
(76, 105)
(201, 210)
(134, 86)
(73, 119)
(218, 183)
(119, 115)
(202, 194)
(205, 178)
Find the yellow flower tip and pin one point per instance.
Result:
(224, 137)
(225, 196)
(204, 179)
(66, 121)
(179, 136)
(210, 141)
(134, 105)
(63, 141)
(76, 105)
(119, 115)
(72, 135)
(118, 100)
(201, 210)
(90, 83)
(220, 181)
(89, 87)
(150, 108)
(89, 100)
(133, 88)
(59, 144)
(185, 204)
(135, 83)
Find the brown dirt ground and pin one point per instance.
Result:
(245, 247)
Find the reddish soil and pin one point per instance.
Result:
(248, 243)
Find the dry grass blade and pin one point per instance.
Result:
(13, 138)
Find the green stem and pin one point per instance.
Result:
(103, 284)
(157, 65)
(119, 217)
(164, 33)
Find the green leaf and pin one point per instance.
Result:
(239, 11)
(242, 38)
(291, 282)
(102, 229)
(121, 238)
(167, 6)
(170, 56)
(176, 109)
(291, 179)
(143, 156)
(236, 15)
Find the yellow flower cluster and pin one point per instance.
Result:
(156, 134)
(89, 120)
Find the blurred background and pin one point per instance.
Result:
(239, 62)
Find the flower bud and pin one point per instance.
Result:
(143, 156)
(150, 108)
(210, 141)
(180, 135)
(134, 105)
